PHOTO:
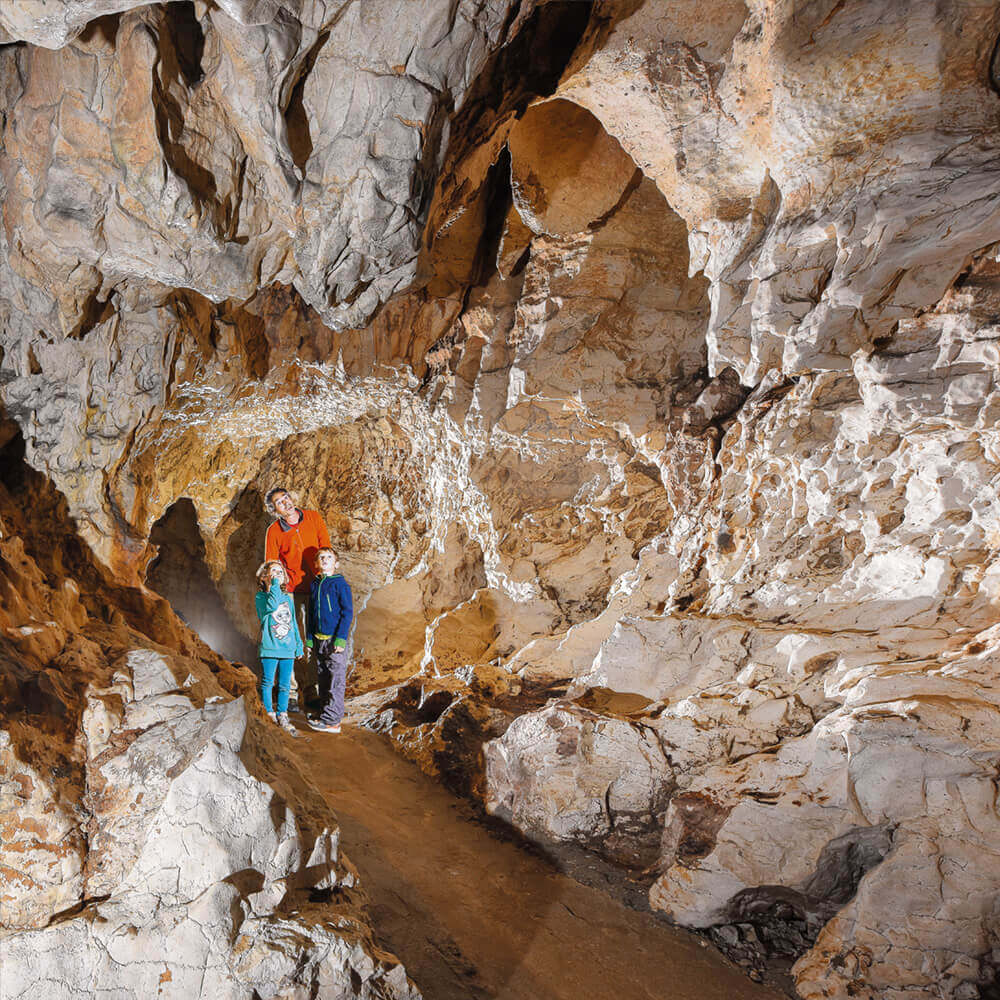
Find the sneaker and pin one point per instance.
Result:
(272, 716)
(324, 727)
(287, 724)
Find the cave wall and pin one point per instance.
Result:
(648, 350)
(156, 836)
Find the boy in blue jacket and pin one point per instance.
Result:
(331, 610)
(280, 642)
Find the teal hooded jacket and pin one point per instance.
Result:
(279, 635)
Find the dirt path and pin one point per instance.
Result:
(475, 917)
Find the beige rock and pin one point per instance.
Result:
(155, 829)
(686, 419)
(565, 774)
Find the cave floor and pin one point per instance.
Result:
(474, 916)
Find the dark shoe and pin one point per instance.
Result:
(325, 727)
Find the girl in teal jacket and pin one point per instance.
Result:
(280, 642)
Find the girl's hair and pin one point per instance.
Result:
(319, 552)
(264, 573)
(270, 495)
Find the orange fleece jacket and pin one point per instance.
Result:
(295, 548)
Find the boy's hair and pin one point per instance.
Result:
(319, 552)
(263, 575)
(270, 495)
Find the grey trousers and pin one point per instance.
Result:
(304, 682)
(331, 665)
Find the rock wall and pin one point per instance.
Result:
(641, 358)
(156, 837)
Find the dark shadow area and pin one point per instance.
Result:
(528, 66)
(179, 574)
(45, 673)
(95, 311)
(188, 38)
(300, 142)
(244, 553)
(104, 28)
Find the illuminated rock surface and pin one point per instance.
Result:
(157, 836)
(643, 361)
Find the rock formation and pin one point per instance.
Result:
(155, 836)
(641, 358)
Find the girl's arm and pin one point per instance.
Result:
(272, 597)
(313, 593)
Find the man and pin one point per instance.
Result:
(293, 539)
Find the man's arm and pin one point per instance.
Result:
(321, 533)
(271, 543)
(309, 614)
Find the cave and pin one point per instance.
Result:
(638, 359)
(179, 573)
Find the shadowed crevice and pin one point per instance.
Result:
(179, 573)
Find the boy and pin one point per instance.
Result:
(331, 609)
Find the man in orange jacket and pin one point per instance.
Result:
(293, 539)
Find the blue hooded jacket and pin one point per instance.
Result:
(331, 609)
(279, 635)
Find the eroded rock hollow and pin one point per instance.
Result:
(642, 359)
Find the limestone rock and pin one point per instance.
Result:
(212, 150)
(188, 845)
(758, 124)
(565, 774)
(155, 830)
(641, 358)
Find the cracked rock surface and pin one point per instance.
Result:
(157, 837)
(642, 360)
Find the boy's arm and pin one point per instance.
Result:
(346, 600)
(299, 651)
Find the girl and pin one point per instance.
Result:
(280, 642)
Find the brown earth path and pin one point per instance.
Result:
(473, 916)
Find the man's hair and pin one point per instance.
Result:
(272, 493)
(263, 571)
(319, 552)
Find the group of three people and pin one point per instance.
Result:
(305, 607)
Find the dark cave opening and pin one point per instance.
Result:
(189, 40)
(179, 573)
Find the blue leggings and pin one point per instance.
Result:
(284, 670)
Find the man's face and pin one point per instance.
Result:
(283, 504)
(327, 563)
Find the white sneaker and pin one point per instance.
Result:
(287, 724)
(272, 716)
